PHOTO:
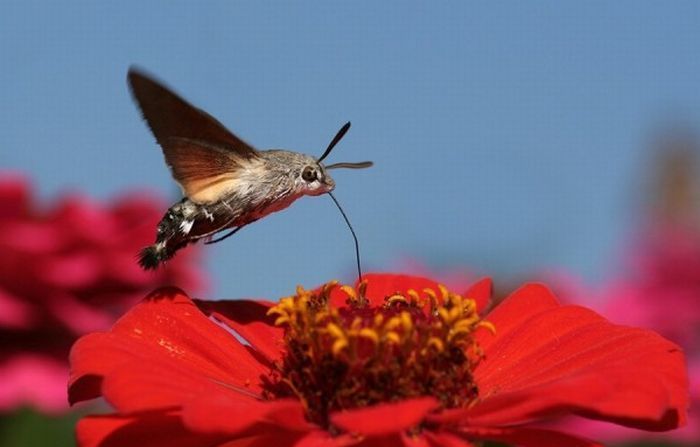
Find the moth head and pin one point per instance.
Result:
(314, 179)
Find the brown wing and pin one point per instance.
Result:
(204, 171)
(170, 116)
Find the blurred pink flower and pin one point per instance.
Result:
(65, 271)
(662, 287)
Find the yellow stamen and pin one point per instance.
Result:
(370, 334)
(415, 298)
(338, 346)
(406, 321)
(433, 299)
(378, 320)
(392, 323)
(329, 286)
(350, 292)
(281, 320)
(356, 324)
(436, 343)
(396, 299)
(487, 325)
(455, 333)
(392, 337)
(455, 313)
(362, 291)
(443, 292)
(356, 354)
(335, 331)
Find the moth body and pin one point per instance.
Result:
(269, 186)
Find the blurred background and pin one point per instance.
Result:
(551, 141)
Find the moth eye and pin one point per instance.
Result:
(308, 174)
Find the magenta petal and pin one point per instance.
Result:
(33, 379)
(78, 316)
(15, 194)
(71, 272)
(33, 238)
(16, 313)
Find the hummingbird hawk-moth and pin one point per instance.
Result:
(226, 183)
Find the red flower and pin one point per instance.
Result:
(64, 272)
(398, 360)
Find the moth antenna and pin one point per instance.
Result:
(356, 165)
(341, 133)
(354, 236)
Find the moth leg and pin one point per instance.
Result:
(225, 236)
(213, 232)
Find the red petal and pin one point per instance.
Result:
(321, 438)
(152, 430)
(168, 384)
(381, 285)
(250, 320)
(414, 441)
(527, 301)
(481, 292)
(392, 440)
(445, 439)
(162, 353)
(272, 438)
(222, 415)
(529, 437)
(546, 360)
(385, 419)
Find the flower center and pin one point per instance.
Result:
(354, 354)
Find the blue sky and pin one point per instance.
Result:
(508, 137)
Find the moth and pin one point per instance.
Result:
(226, 183)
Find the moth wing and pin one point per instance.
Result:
(169, 116)
(204, 171)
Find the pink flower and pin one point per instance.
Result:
(661, 287)
(66, 271)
